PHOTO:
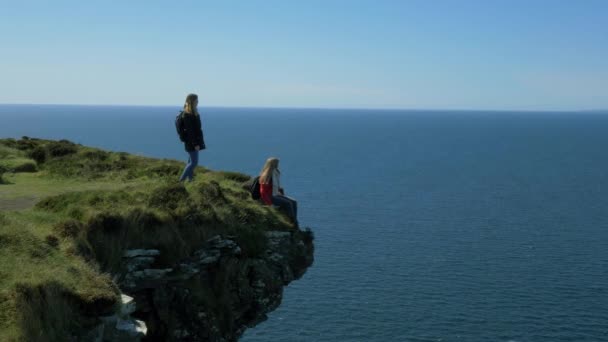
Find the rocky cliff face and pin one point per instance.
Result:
(213, 295)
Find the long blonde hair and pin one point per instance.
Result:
(190, 105)
(271, 165)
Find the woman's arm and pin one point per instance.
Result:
(199, 131)
(276, 182)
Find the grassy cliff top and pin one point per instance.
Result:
(68, 212)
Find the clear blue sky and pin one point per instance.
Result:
(485, 54)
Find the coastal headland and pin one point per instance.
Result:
(108, 246)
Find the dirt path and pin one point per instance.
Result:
(17, 203)
(23, 191)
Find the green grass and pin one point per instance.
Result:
(18, 165)
(40, 281)
(82, 208)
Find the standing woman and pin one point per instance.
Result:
(191, 135)
(272, 193)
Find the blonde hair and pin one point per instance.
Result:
(271, 165)
(190, 106)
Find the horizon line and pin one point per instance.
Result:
(319, 108)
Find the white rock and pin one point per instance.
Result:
(155, 273)
(128, 305)
(210, 259)
(134, 328)
(131, 253)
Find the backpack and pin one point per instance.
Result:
(255, 188)
(179, 126)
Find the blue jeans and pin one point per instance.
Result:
(192, 163)
(287, 204)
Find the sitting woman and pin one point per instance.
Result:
(272, 193)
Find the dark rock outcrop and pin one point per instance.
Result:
(217, 292)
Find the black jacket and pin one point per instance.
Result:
(192, 132)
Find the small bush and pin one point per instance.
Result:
(211, 192)
(38, 154)
(25, 144)
(61, 148)
(96, 155)
(169, 196)
(69, 228)
(52, 241)
(164, 170)
(2, 171)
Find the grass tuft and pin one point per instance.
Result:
(211, 192)
(68, 229)
(165, 170)
(52, 241)
(105, 223)
(169, 197)
(143, 218)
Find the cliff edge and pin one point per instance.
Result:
(106, 246)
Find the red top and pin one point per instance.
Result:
(266, 193)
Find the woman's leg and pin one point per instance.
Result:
(294, 205)
(189, 169)
(186, 172)
(285, 204)
(194, 159)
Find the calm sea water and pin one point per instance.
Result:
(430, 226)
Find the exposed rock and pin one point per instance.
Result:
(119, 327)
(140, 262)
(128, 306)
(215, 294)
(141, 253)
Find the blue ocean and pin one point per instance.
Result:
(429, 225)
